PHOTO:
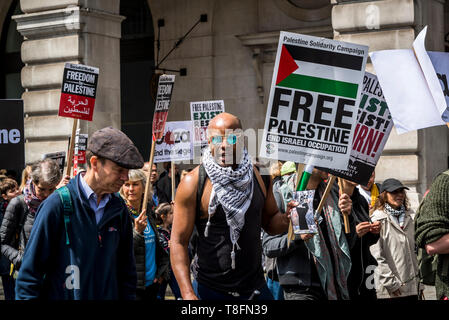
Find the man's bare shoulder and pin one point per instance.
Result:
(189, 184)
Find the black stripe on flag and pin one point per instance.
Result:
(334, 59)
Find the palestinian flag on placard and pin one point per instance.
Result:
(317, 70)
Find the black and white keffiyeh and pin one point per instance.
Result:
(233, 190)
(398, 214)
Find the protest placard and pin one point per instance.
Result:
(163, 98)
(176, 144)
(79, 153)
(415, 86)
(303, 216)
(78, 92)
(202, 112)
(59, 157)
(12, 142)
(373, 128)
(164, 93)
(312, 107)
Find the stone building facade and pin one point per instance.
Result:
(230, 57)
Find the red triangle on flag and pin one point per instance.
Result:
(287, 65)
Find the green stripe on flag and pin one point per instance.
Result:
(333, 87)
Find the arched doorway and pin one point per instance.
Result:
(10, 61)
(136, 70)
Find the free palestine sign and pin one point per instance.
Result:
(312, 108)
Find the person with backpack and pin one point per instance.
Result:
(432, 236)
(228, 201)
(21, 211)
(397, 270)
(81, 244)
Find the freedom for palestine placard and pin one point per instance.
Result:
(78, 92)
(313, 103)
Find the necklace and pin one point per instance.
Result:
(133, 211)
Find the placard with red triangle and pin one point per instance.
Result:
(287, 65)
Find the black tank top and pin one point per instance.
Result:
(212, 263)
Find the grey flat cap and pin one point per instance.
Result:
(114, 145)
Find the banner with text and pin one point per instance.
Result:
(371, 133)
(78, 92)
(202, 112)
(12, 142)
(164, 93)
(312, 108)
(176, 143)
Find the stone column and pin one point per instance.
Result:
(414, 157)
(59, 31)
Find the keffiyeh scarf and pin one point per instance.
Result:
(333, 277)
(233, 190)
(398, 214)
(30, 198)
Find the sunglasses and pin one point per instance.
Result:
(230, 139)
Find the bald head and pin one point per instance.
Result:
(225, 121)
(226, 152)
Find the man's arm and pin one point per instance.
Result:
(274, 221)
(183, 223)
(432, 222)
(441, 246)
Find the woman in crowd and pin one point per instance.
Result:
(362, 236)
(395, 250)
(152, 263)
(8, 190)
(25, 177)
(164, 213)
(20, 212)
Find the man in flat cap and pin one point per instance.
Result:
(81, 245)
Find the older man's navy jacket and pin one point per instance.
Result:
(97, 264)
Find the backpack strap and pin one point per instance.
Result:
(202, 176)
(261, 182)
(64, 195)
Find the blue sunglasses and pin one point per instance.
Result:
(231, 139)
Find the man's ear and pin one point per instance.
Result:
(94, 163)
(4, 196)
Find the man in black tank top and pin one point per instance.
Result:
(228, 202)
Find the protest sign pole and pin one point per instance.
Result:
(345, 216)
(299, 173)
(173, 181)
(330, 183)
(148, 183)
(71, 147)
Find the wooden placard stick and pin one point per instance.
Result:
(342, 188)
(148, 183)
(299, 171)
(326, 192)
(172, 180)
(71, 147)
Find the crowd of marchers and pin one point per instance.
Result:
(223, 237)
